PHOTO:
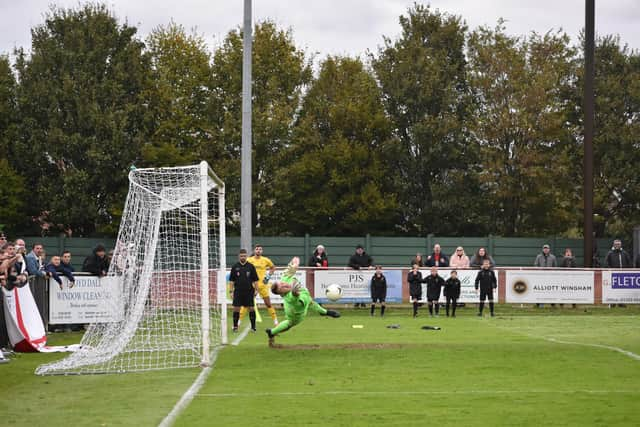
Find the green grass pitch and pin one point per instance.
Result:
(548, 366)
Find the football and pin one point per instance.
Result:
(333, 292)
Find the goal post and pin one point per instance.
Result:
(167, 275)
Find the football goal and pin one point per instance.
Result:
(168, 267)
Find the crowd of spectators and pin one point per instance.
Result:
(17, 266)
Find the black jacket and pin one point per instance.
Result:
(487, 280)
(434, 286)
(431, 261)
(415, 283)
(378, 285)
(618, 258)
(315, 258)
(358, 261)
(568, 262)
(452, 288)
(96, 265)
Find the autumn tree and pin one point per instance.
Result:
(178, 99)
(334, 178)
(81, 115)
(12, 188)
(281, 71)
(616, 142)
(424, 85)
(521, 85)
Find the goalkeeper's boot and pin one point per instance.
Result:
(333, 313)
(272, 338)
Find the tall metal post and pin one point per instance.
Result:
(246, 227)
(589, 113)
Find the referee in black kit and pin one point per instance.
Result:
(244, 286)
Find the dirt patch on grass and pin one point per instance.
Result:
(351, 346)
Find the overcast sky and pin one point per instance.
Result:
(333, 26)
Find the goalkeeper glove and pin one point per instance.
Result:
(266, 278)
(295, 287)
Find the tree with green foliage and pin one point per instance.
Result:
(616, 142)
(81, 113)
(333, 179)
(178, 99)
(281, 71)
(521, 87)
(425, 91)
(12, 186)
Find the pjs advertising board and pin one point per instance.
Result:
(550, 286)
(356, 284)
(620, 287)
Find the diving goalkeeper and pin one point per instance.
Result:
(296, 300)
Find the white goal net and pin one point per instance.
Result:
(167, 263)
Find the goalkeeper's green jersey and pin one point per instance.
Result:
(297, 306)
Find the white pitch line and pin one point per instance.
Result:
(557, 341)
(192, 392)
(405, 393)
(241, 336)
(608, 347)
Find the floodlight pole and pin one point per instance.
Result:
(589, 113)
(245, 179)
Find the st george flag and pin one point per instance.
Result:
(24, 324)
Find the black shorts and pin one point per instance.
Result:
(486, 295)
(242, 298)
(379, 295)
(416, 296)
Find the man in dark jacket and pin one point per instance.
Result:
(486, 278)
(96, 263)
(437, 258)
(618, 257)
(434, 286)
(360, 260)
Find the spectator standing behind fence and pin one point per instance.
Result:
(568, 261)
(418, 260)
(546, 258)
(479, 258)
(434, 287)
(360, 260)
(437, 258)
(34, 261)
(414, 278)
(319, 257)
(21, 266)
(55, 269)
(96, 263)
(378, 291)
(459, 259)
(617, 257)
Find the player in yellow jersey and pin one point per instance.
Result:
(262, 265)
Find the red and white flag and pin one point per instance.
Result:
(24, 324)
